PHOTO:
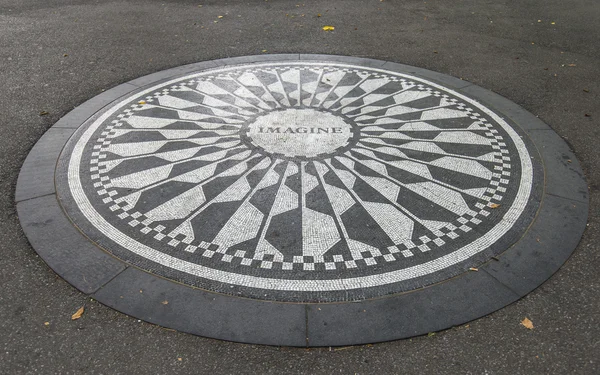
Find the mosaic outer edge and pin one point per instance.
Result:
(541, 251)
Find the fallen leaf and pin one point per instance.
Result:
(264, 50)
(586, 90)
(165, 302)
(587, 115)
(474, 269)
(180, 359)
(142, 102)
(43, 113)
(431, 334)
(46, 323)
(539, 21)
(219, 16)
(527, 323)
(319, 15)
(571, 65)
(569, 161)
(65, 55)
(78, 313)
(328, 28)
(553, 23)
(494, 205)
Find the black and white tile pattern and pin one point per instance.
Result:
(299, 179)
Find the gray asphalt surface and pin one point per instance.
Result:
(56, 54)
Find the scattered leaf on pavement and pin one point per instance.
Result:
(165, 302)
(78, 313)
(43, 113)
(474, 269)
(494, 205)
(46, 323)
(142, 102)
(328, 28)
(527, 323)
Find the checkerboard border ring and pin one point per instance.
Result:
(305, 263)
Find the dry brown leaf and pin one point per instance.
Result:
(571, 65)
(78, 313)
(527, 323)
(43, 113)
(46, 323)
(474, 269)
(165, 302)
(494, 205)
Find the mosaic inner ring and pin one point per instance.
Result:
(415, 183)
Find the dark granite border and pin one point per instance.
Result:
(547, 244)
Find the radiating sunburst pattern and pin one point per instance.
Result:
(419, 168)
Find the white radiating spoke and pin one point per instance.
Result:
(319, 232)
(393, 219)
(216, 106)
(234, 192)
(470, 167)
(195, 176)
(285, 200)
(341, 201)
(417, 169)
(430, 148)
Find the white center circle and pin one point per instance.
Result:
(299, 132)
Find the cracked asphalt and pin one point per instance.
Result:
(56, 54)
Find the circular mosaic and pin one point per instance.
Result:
(299, 181)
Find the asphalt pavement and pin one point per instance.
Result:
(56, 54)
